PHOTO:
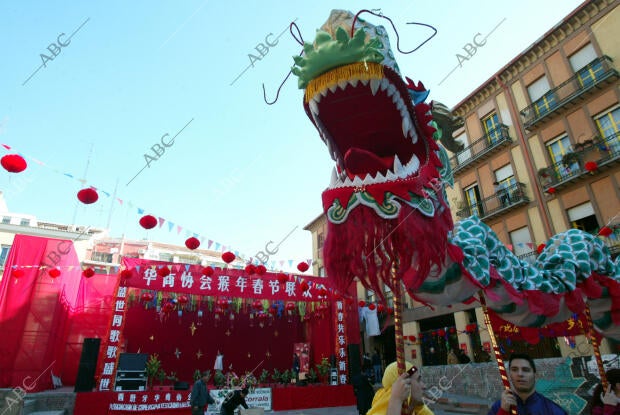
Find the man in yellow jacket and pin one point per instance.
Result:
(398, 389)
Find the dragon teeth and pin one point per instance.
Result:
(334, 178)
(314, 106)
(374, 85)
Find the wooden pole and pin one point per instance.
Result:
(595, 348)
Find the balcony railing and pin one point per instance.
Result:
(504, 201)
(598, 72)
(480, 148)
(598, 153)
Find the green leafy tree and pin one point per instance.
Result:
(153, 366)
(275, 376)
(264, 376)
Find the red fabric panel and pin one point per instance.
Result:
(312, 396)
(35, 309)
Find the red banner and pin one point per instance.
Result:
(190, 279)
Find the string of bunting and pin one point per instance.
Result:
(15, 163)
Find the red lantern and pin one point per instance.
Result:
(183, 299)
(452, 330)
(126, 274)
(147, 297)
(591, 166)
(605, 231)
(323, 292)
(168, 307)
(148, 221)
(250, 269)
(192, 243)
(390, 311)
(362, 303)
(17, 273)
(273, 311)
(257, 304)
(163, 272)
(540, 248)
(13, 163)
(290, 306)
(207, 271)
(224, 304)
(262, 316)
(441, 332)
(88, 196)
(380, 308)
(551, 190)
(228, 257)
(412, 339)
(261, 270)
(303, 266)
(54, 272)
(304, 286)
(371, 306)
(88, 272)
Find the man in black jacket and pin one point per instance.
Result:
(233, 400)
(200, 395)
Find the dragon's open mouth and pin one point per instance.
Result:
(366, 118)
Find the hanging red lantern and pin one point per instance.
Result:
(304, 286)
(362, 303)
(163, 272)
(167, 307)
(282, 278)
(441, 332)
(88, 272)
(452, 330)
(13, 163)
(54, 272)
(540, 248)
(250, 269)
(147, 297)
(148, 221)
(322, 292)
(17, 273)
(228, 257)
(183, 299)
(126, 274)
(605, 231)
(273, 311)
(88, 196)
(380, 308)
(207, 271)
(225, 304)
(261, 270)
(371, 306)
(303, 266)
(412, 339)
(591, 166)
(290, 306)
(257, 304)
(551, 190)
(192, 243)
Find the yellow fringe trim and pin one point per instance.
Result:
(359, 70)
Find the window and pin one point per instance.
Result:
(521, 241)
(6, 219)
(321, 272)
(491, 126)
(583, 217)
(320, 240)
(507, 188)
(543, 100)
(472, 195)
(4, 252)
(586, 66)
(25, 222)
(101, 257)
(557, 149)
(464, 155)
(608, 126)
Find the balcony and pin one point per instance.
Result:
(589, 79)
(511, 198)
(601, 153)
(481, 149)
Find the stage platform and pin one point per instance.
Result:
(176, 402)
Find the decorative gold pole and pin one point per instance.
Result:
(398, 324)
(498, 355)
(595, 348)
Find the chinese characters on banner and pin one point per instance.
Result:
(150, 401)
(111, 349)
(189, 279)
(341, 342)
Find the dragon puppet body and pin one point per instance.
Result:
(388, 219)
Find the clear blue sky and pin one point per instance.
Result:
(241, 173)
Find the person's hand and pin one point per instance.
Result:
(609, 397)
(401, 388)
(508, 400)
